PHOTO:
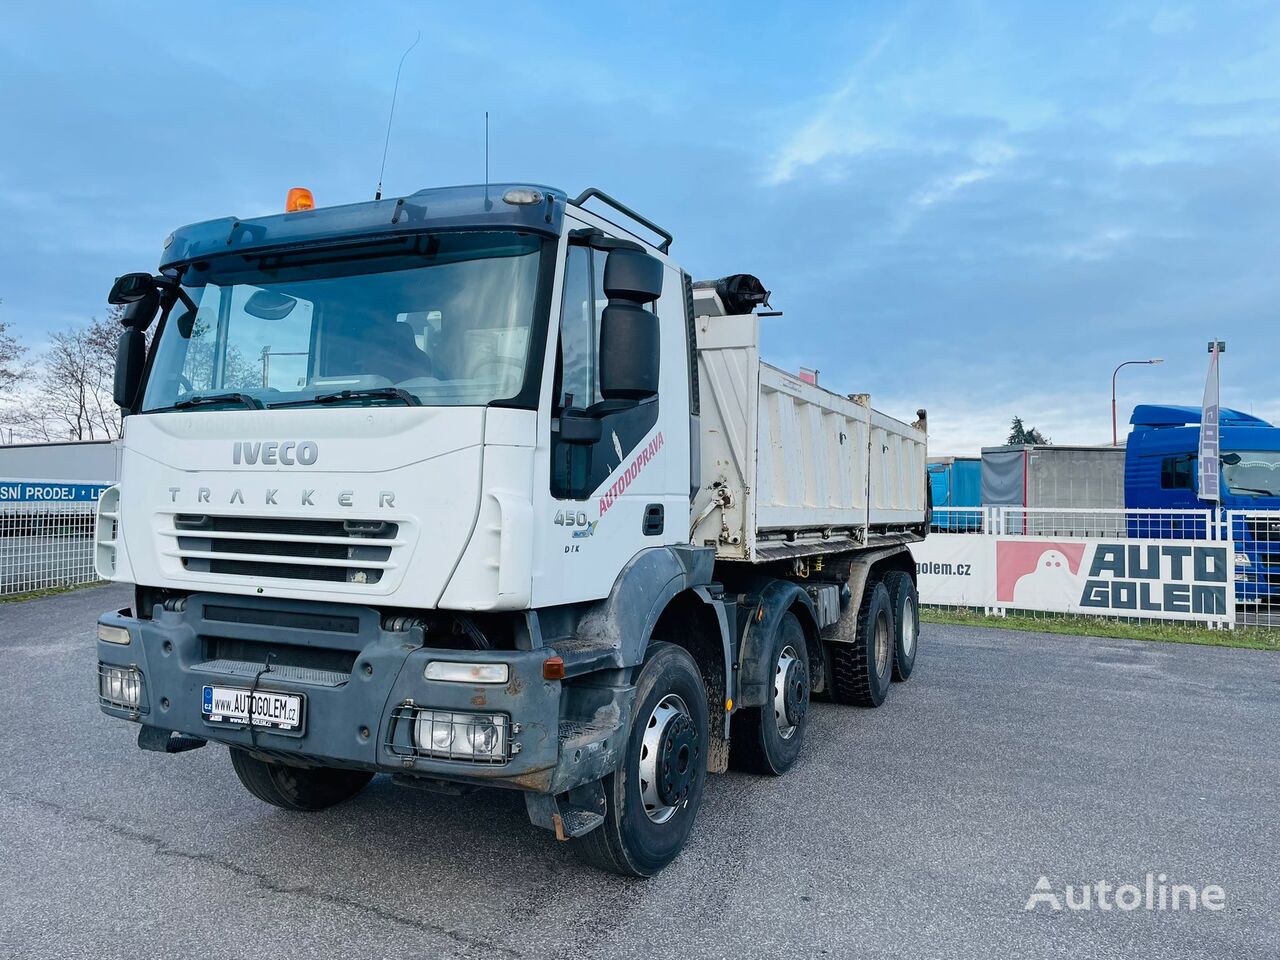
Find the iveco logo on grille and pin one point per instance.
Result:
(272, 452)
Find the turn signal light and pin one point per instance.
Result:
(553, 668)
(299, 199)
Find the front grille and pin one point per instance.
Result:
(330, 550)
(279, 654)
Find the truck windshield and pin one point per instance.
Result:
(1252, 473)
(434, 319)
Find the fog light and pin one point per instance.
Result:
(477, 737)
(457, 672)
(120, 686)
(112, 634)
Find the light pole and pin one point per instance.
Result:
(1115, 437)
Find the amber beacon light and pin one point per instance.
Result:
(299, 199)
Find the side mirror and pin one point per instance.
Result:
(579, 427)
(131, 357)
(630, 341)
(131, 288)
(632, 275)
(138, 294)
(629, 353)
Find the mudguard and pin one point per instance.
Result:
(754, 673)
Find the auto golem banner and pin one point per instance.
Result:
(1157, 579)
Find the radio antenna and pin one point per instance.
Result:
(377, 194)
(486, 159)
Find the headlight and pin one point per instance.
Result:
(113, 634)
(477, 737)
(457, 672)
(120, 687)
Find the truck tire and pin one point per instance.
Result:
(768, 739)
(653, 796)
(906, 619)
(296, 788)
(862, 671)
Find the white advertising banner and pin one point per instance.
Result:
(1209, 462)
(1151, 579)
(956, 569)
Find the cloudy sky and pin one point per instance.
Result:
(976, 207)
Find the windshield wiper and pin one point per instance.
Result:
(200, 400)
(393, 393)
(1258, 490)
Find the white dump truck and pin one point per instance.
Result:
(476, 486)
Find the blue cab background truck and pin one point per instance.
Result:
(1161, 472)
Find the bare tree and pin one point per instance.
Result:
(71, 395)
(13, 364)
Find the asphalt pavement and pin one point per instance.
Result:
(916, 830)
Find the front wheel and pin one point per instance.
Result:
(296, 788)
(654, 795)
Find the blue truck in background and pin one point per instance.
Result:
(1161, 474)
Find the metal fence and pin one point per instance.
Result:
(45, 546)
(1254, 537)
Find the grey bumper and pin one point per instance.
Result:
(353, 716)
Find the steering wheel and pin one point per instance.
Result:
(185, 384)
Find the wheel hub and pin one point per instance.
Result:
(790, 692)
(678, 760)
(670, 752)
(797, 698)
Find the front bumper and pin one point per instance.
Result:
(356, 699)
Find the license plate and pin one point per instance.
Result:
(267, 708)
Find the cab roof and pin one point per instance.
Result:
(1153, 416)
(473, 207)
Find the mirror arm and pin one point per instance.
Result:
(172, 287)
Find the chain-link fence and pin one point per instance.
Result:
(45, 545)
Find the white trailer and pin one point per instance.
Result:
(473, 486)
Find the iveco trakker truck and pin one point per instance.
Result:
(477, 487)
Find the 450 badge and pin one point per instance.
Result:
(583, 527)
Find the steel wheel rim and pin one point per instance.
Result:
(669, 709)
(883, 641)
(786, 660)
(908, 630)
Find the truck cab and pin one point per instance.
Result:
(1161, 473)
(409, 487)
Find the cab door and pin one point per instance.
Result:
(605, 497)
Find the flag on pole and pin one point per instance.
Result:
(1209, 436)
(809, 376)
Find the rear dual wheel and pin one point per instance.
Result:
(861, 671)
(906, 618)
